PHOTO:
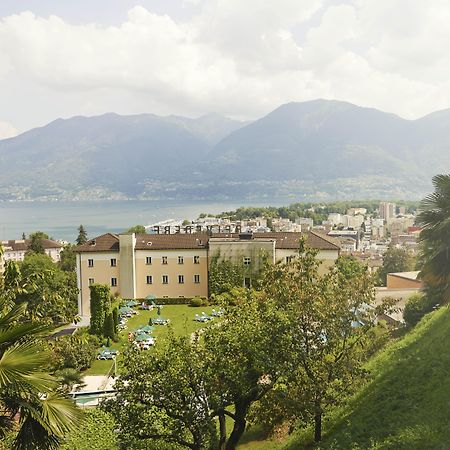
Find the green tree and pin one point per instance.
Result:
(76, 352)
(327, 319)
(68, 258)
(28, 393)
(36, 242)
(137, 229)
(108, 326)
(100, 307)
(224, 275)
(435, 239)
(95, 432)
(395, 260)
(82, 236)
(50, 293)
(173, 407)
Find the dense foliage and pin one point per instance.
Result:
(435, 240)
(416, 307)
(50, 294)
(30, 403)
(297, 336)
(100, 307)
(95, 432)
(395, 260)
(76, 351)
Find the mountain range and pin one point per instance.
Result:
(320, 149)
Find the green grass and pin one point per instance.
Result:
(407, 403)
(181, 321)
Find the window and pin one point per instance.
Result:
(247, 261)
(196, 279)
(196, 259)
(113, 282)
(180, 260)
(148, 260)
(247, 282)
(113, 262)
(164, 259)
(91, 281)
(289, 259)
(180, 279)
(90, 263)
(165, 279)
(149, 279)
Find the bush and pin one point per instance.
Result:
(96, 431)
(196, 302)
(168, 301)
(75, 352)
(416, 307)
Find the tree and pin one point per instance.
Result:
(28, 393)
(68, 258)
(303, 333)
(108, 327)
(100, 307)
(36, 245)
(435, 239)
(327, 321)
(96, 432)
(416, 307)
(395, 260)
(50, 293)
(137, 229)
(245, 357)
(82, 236)
(163, 398)
(76, 352)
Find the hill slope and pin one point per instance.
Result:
(406, 406)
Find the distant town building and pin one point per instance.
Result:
(16, 249)
(404, 280)
(357, 211)
(386, 210)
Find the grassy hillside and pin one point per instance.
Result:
(407, 405)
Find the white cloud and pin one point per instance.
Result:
(7, 130)
(234, 57)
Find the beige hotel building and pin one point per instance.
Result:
(176, 265)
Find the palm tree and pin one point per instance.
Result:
(30, 402)
(435, 238)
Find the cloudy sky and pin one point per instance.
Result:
(240, 58)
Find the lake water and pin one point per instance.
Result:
(61, 219)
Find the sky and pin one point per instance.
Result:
(239, 58)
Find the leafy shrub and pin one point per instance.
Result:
(77, 352)
(416, 307)
(96, 431)
(169, 301)
(196, 302)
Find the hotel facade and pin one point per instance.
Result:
(177, 265)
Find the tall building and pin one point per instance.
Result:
(177, 265)
(386, 210)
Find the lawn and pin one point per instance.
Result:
(181, 321)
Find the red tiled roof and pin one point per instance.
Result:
(108, 242)
(23, 244)
(171, 241)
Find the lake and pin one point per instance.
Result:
(61, 219)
